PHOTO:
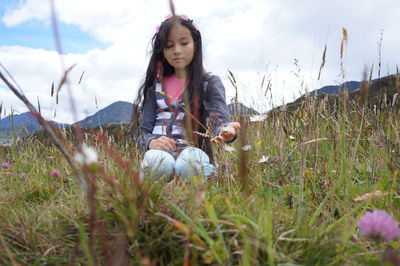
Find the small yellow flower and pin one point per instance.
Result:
(392, 151)
(259, 143)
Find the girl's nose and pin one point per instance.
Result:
(177, 49)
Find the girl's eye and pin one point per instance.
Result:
(186, 43)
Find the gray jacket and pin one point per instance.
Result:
(215, 106)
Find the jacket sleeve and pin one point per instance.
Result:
(218, 110)
(148, 120)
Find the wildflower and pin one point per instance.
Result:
(292, 137)
(263, 159)
(259, 143)
(55, 173)
(226, 165)
(379, 224)
(257, 118)
(229, 148)
(5, 165)
(88, 155)
(390, 257)
(22, 175)
(246, 147)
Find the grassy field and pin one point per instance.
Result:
(287, 199)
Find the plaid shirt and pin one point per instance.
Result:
(159, 119)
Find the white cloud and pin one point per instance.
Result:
(36, 69)
(248, 37)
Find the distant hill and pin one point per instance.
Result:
(24, 124)
(348, 86)
(335, 89)
(118, 112)
(241, 109)
(25, 120)
(383, 92)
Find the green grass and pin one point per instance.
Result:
(297, 208)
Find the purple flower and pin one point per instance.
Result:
(22, 175)
(55, 173)
(5, 165)
(379, 224)
(226, 165)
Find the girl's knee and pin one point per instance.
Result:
(194, 155)
(158, 161)
(193, 161)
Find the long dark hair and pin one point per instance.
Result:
(159, 67)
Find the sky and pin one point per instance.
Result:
(109, 42)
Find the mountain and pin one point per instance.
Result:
(24, 124)
(118, 112)
(121, 112)
(349, 86)
(24, 120)
(382, 93)
(241, 109)
(335, 89)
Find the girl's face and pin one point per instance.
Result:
(179, 49)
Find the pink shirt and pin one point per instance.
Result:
(174, 88)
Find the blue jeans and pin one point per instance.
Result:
(190, 162)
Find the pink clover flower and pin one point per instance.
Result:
(379, 224)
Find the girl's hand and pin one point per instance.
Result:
(227, 133)
(162, 143)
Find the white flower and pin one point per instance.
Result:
(257, 118)
(229, 148)
(87, 156)
(263, 159)
(292, 137)
(246, 147)
(228, 130)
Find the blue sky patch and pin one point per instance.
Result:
(37, 34)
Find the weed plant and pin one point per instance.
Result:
(295, 206)
(290, 192)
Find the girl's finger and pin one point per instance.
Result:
(214, 139)
(164, 145)
(171, 146)
(217, 139)
(171, 143)
(235, 125)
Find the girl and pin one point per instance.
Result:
(176, 98)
